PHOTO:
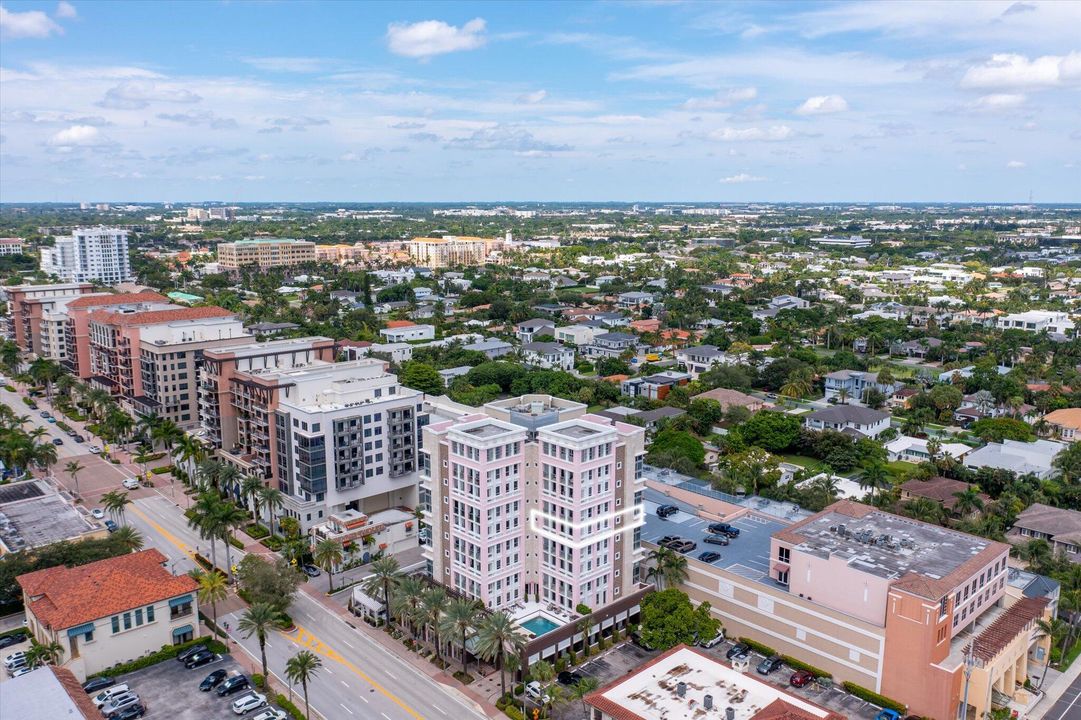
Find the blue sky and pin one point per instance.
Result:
(248, 101)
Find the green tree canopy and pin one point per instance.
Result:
(668, 619)
(771, 431)
(1004, 428)
(423, 377)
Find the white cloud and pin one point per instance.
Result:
(532, 98)
(66, 10)
(136, 95)
(289, 64)
(29, 24)
(822, 105)
(434, 37)
(741, 178)
(1009, 70)
(1015, 165)
(998, 102)
(722, 99)
(773, 133)
(76, 135)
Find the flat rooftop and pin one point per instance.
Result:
(576, 432)
(747, 556)
(32, 516)
(887, 545)
(487, 430)
(272, 346)
(654, 691)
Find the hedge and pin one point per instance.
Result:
(27, 401)
(513, 712)
(273, 542)
(872, 697)
(209, 622)
(284, 704)
(10, 388)
(236, 543)
(149, 457)
(63, 426)
(800, 665)
(167, 652)
(758, 647)
(255, 531)
(15, 631)
(161, 470)
(258, 680)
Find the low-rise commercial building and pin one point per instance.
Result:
(265, 253)
(33, 515)
(110, 611)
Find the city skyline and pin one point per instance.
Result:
(904, 102)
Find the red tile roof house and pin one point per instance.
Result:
(110, 611)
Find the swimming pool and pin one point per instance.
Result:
(539, 625)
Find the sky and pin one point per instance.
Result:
(555, 101)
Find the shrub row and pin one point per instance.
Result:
(10, 388)
(15, 631)
(161, 470)
(167, 652)
(758, 647)
(800, 665)
(63, 426)
(258, 680)
(273, 542)
(256, 531)
(284, 704)
(236, 543)
(209, 622)
(872, 697)
(148, 457)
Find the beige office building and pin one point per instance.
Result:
(451, 251)
(268, 253)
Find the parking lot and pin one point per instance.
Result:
(628, 657)
(168, 690)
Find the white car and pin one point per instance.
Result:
(250, 701)
(97, 513)
(15, 658)
(536, 693)
(715, 640)
(95, 449)
(103, 697)
(22, 671)
(131, 483)
(270, 714)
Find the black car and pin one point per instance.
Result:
(199, 659)
(58, 441)
(78, 438)
(709, 556)
(715, 539)
(183, 656)
(571, 677)
(724, 529)
(233, 685)
(13, 639)
(98, 684)
(310, 570)
(770, 664)
(211, 681)
(129, 713)
(667, 539)
(664, 511)
(736, 650)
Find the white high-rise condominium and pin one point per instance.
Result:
(98, 254)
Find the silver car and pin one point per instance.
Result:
(119, 702)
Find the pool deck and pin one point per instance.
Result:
(524, 612)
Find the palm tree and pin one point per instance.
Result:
(826, 485)
(842, 396)
(44, 654)
(128, 538)
(204, 519)
(459, 619)
(229, 479)
(874, 476)
(498, 636)
(45, 456)
(65, 384)
(271, 498)
(585, 625)
(73, 468)
(229, 517)
(258, 620)
(9, 356)
(212, 589)
(668, 567)
(407, 600)
(582, 688)
(115, 501)
(385, 574)
(208, 473)
(168, 432)
(249, 488)
(433, 604)
(924, 509)
(934, 449)
(543, 672)
(301, 668)
(328, 554)
(188, 451)
(968, 501)
(147, 426)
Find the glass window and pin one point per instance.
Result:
(127, 621)
(116, 623)
(150, 613)
(139, 617)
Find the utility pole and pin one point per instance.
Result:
(969, 663)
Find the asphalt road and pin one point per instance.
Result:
(1068, 706)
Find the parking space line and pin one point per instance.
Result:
(385, 715)
(346, 708)
(440, 709)
(343, 682)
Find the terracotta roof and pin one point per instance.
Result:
(154, 317)
(728, 397)
(75, 691)
(399, 323)
(780, 710)
(940, 489)
(63, 597)
(1019, 617)
(116, 299)
(1066, 417)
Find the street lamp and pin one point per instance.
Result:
(970, 662)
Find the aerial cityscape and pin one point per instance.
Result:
(540, 361)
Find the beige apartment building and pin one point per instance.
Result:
(451, 251)
(265, 253)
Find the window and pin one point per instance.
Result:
(127, 621)
(783, 554)
(138, 617)
(116, 623)
(179, 607)
(150, 613)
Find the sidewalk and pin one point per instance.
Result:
(1055, 690)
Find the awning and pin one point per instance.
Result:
(178, 601)
(183, 630)
(81, 629)
(780, 566)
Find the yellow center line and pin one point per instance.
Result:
(307, 639)
(163, 532)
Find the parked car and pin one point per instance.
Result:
(770, 664)
(536, 693)
(103, 697)
(129, 713)
(715, 640)
(664, 541)
(131, 483)
(683, 546)
(270, 714)
(233, 685)
(709, 556)
(569, 677)
(50, 420)
(78, 438)
(58, 441)
(310, 570)
(118, 703)
(73, 433)
(664, 511)
(251, 701)
(111, 526)
(212, 680)
(183, 656)
(15, 658)
(98, 514)
(22, 670)
(888, 715)
(18, 665)
(45, 414)
(199, 659)
(13, 639)
(736, 650)
(724, 529)
(98, 684)
(801, 678)
(715, 539)
(95, 449)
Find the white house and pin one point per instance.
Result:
(914, 450)
(703, 358)
(576, 334)
(1023, 458)
(408, 333)
(1038, 321)
(849, 418)
(548, 355)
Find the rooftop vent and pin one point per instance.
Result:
(707, 702)
(681, 689)
(730, 713)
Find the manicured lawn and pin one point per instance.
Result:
(901, 469)
(803, 461)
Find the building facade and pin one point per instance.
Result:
(28, 305)
(533, 499)
(97, 254)
(450, 251)
(265, 253)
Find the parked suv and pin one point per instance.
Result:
(233, 685)
(664, 511)
(724, 529)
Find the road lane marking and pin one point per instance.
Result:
(349, 644)
(440, 709)
(346, 708)
(385, 715)
(388, 672)
(345, 683)
(162, 531)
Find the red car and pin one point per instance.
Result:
(801, 678)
